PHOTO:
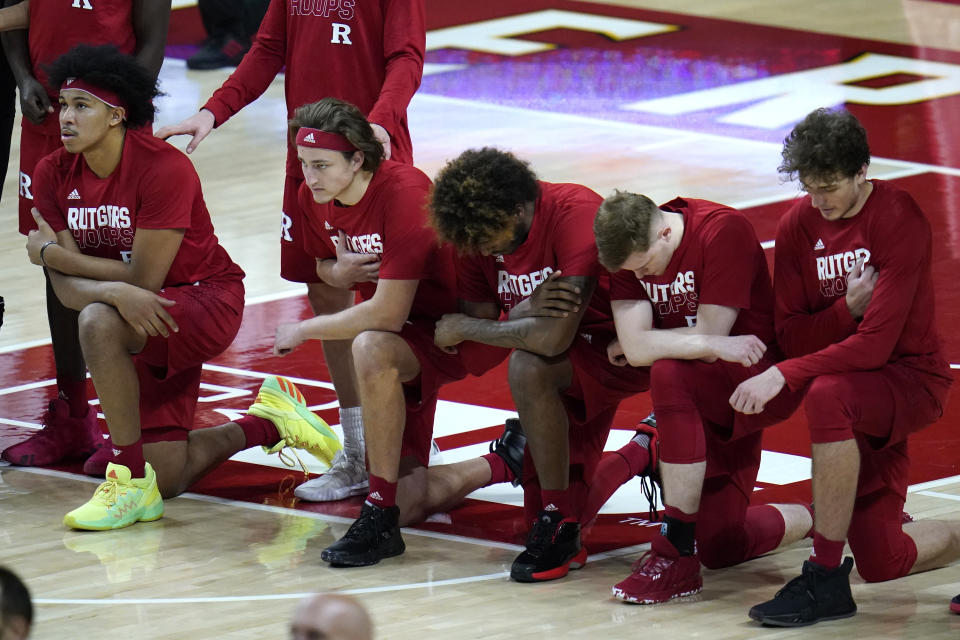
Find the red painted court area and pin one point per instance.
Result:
(590, 74)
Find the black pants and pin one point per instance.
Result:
(8, 110)
(223, 18)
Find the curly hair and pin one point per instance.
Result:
(827, 144)
(338, 116)
(622, 227)
(475, 195)
(106, 67)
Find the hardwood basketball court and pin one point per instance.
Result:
(592, 98)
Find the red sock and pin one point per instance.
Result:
(75, 393)
(130, 456)
(557, 501)
(827, 553)
(258, 431)
(382, 492)
(612, 472)
(637, 457)
(499, 471)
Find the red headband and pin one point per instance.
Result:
(307, 137)
(103, 95)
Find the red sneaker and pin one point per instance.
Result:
(661, 574)
(96, 465)
(62, 438)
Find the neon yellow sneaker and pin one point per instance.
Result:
(119, 502)
(280, 402)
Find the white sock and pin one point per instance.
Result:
(351, 420)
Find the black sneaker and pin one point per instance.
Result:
(553, 548)
(510, 447)
(817, 594)
(375, 535)
(216, 53)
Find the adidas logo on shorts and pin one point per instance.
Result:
(74, 195)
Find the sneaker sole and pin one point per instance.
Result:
(365, 560)
(349, 492)
(622, 595)
(523, 574)
(150, 514)
(773, 622)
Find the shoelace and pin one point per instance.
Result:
(107, 493)
(359, 529)
(651, 491)
(285, 459)
(542, 534)
(799, 586)
(651, 564)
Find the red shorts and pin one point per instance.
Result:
(881, 408)
(36, 141)
(169, 369)
(296, 265)
(437, 368)
(691, 398)
(879, 545)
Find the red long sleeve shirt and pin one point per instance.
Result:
(814, 326)
(367, 53)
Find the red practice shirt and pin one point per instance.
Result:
(154, 187)
(718, 261)
(560, 238)
(390, 221)
(814, 325)
(368, 53)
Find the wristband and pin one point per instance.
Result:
(44, 248)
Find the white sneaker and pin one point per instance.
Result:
(347, 477)
(436, 458)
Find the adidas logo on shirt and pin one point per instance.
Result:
(74, 195)
(309, 138)
(819, 246)
(327, 226)
(500, 259)
(117, 452)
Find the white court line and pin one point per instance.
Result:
(933, 484)
(275, 596)
(29, 385)
(633, 126)
(937, 494)
(307, 382)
